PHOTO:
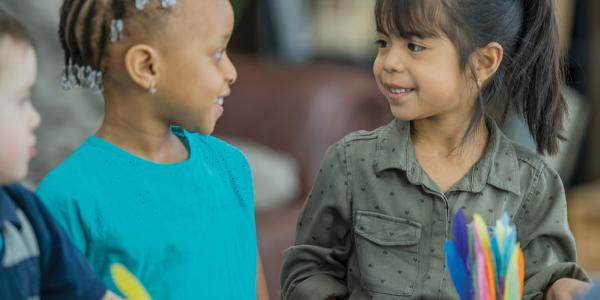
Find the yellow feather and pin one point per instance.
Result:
(126, 282)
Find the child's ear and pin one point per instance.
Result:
(487, 60)
(141, 63)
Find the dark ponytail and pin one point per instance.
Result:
(534, 75)
(530, 78)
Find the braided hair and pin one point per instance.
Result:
(85, 29)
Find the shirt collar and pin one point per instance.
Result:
(503, 163)
(392, 147)
(8, 209)
(498, 167)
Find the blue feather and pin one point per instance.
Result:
(458, 272)
(498, 259)
(461, 236)
(509, 248)
(505, 219)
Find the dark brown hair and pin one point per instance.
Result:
(530, 77)
(85, 27)
(11, 27)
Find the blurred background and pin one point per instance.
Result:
(304, 82)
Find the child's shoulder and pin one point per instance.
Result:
(366, 142)
(368, 137)
(528, 159)
(27, 202)
(214, 146)
(19, 194)
(526, 156)
(531, 168)
(215, 143)
(71, 172)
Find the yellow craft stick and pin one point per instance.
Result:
(126, 282)
(487, 254)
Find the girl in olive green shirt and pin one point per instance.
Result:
(376, 220)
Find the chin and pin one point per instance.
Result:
(206, 129)
(402, 115)
(205, 132)
(13, 177)
(200, 128)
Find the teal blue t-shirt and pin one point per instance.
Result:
(186, 230)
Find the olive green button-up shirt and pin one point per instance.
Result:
(374, 224)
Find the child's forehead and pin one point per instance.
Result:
(7, 46)
(8, 49)
(210, 20)
(205, 11)
(205, 18)
(17, 64)
(408, 19)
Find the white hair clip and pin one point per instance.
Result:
(65, 81)
(168, 3)
(116, 28)
(139, 4)
(83, 76)
(72, 69)
(96, 82)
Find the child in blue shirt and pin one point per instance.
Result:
(152, 189)
(37, 260)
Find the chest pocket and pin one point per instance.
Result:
(388, 252)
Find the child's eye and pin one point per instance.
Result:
(381, 43)
(24, 101)
(219, 54)
(415, 47)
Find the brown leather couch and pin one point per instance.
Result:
(299, 110)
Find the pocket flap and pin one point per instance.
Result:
(387, 230)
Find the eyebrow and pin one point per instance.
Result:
(26, 91)
(410, 34)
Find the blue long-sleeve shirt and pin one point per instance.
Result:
(37, 260)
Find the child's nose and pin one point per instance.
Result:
(35, 119)
(230, 72)
(393, 62)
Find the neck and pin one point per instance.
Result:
(130, 123)
(445, 136)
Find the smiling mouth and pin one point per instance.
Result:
(399, 91)
(220, 101)
(33, 152)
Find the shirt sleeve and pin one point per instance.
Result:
(242, 176)
(65, 273)
(315, 267)
(64, 209)
(543, 230)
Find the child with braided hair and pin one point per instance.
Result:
(152, 189)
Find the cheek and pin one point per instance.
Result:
(440, 82)
(13, 132)
(13, 152)
(378, 70)
(203, 79)
(378, 67)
